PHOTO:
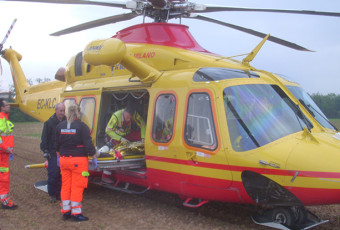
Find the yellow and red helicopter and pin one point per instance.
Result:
(217, 129)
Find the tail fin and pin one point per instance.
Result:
(20, 82)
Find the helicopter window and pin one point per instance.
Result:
(163, 122)
(310, 105)
(87, 110)
(259, 114)
(217, 74)
(77, 64)
(199, 126)
(69, 101)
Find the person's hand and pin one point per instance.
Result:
(97, 154)
(9, 150)
(58, 162)
(124, 140)
(94, 162)
(47, 155)
(11, 156)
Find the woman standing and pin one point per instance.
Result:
(74, 145)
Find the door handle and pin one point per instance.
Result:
(192, 156)
(271, 164)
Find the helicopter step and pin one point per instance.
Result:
(194, 203)
(122, 187)
(287, 218)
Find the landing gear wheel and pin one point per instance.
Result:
(284, 216)
(300, 214)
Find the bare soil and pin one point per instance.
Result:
(108, 209)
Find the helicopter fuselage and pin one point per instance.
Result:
(237, 134)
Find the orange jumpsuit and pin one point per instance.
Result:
(6, 141)
(74, 145)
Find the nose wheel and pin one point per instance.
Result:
(293, 217)
(284, 216)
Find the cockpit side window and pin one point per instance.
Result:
(199, 126)
(310, 105)
(164, 116)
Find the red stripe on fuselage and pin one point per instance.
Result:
(279, 172)
(216, 189)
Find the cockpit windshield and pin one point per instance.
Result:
(259, 114)
(310, 105)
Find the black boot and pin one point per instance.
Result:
(67, 215)
(10, 205)
(79, 217)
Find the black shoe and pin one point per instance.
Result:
(9, 206)
(67, 215)
(79, 217)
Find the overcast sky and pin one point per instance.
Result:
(317, 72)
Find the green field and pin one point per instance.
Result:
(336, 122)
(28, 129)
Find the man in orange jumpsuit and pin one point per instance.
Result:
(6, 153)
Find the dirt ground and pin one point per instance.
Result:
(108, 209)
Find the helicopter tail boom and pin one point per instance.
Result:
(19, 78)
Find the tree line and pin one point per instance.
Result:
(329, 104)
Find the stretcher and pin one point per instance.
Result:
(111, 163)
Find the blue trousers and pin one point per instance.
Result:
(54, 177)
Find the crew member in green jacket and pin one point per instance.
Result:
(120, 127)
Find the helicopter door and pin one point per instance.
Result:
(112, 101)
(162, 160)
(206, 167)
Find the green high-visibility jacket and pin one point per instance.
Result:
(116, 128)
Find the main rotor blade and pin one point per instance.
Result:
(96, 23)
(79, 2)
(252, 32)
(215, 8)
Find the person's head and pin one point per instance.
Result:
(128, 112)
(73, 113)
(4, 106)
(60, 111)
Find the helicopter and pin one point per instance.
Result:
(217, 129)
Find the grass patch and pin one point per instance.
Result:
(335, 122)
(28, 129)
(38, 135)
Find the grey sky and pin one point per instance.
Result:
(316, 71)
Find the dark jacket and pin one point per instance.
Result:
(47, 144)
(75, 140)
